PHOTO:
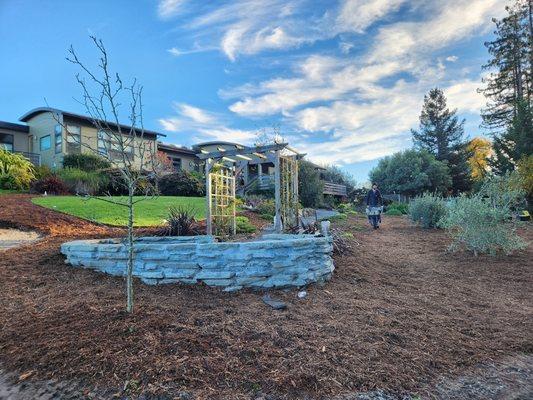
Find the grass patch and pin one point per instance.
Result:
(149, 212)
(9, 191)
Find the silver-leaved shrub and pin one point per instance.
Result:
(427, 210)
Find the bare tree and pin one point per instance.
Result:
(124, 146)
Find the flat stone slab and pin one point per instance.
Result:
(10, 238)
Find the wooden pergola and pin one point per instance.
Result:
(223, 165)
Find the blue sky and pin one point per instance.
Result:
(343, 80)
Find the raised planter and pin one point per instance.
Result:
(276, 260)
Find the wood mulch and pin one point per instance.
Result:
(398, 315)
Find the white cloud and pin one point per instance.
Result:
(195, 114)
(246, 27)
(169, 8)
(357, 15)
(202, 125)
(357, 105)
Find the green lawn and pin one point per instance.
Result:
(9, 191)
(149, 212)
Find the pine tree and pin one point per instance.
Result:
(510, 79)
(441, 133)
(516, 142)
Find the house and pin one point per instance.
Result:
(15, 138)
(50, 134)
(182, 158)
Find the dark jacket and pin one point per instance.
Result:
(374, 199)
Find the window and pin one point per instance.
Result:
(45, 143)
(176, 163)
(58, 142)
(73, 139)
(110, 147)
(6, 141)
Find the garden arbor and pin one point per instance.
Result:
(223, 166)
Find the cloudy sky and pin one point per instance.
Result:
(343, 80)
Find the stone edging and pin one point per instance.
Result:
(271, 262)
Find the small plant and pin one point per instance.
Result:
(403, 208)
(427, 210)
(244, 225)
(393, 212)
(335, 218)
(479, 226)
(181, 221)
(267, 206)
(50, 185)
(16, 172)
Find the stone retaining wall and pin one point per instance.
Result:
(273, 261)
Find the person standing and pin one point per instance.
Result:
(374, 206)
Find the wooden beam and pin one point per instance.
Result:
(245, 151)
(209, 225)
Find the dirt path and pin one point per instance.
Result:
(400, 316)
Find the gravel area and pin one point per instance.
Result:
(14, 237)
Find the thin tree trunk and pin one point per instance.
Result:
(129, 273)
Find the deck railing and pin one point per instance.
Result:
(334, 189)
(266, 182)
(34, 158)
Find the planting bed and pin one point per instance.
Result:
(272, 261)
(400, 315)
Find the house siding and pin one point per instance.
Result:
(41, 125)
(89, 141)
(20, 139)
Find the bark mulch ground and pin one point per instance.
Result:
(399, 315)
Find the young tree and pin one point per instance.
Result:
(124, 146)
(441, 134)
(411, 173)
(480, 150)
(510, 80)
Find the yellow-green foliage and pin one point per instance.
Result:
(16, 172)
(244, 225)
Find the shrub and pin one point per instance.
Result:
(86, 162)
(253, 200)
(16, 172)
(267, 206)
(114, 184)
(181, 221)
(50, 184)
(334, 218)
(268, 217)
(79, 181)
(181, 183)
(42, 171)
(427, 210)
(310, 187)
(244, 225)
(393, 212)
(403, 208)
(475, 223)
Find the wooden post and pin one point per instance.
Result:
(277, 190)
(208, 196)
(295, 199)
(234, 183)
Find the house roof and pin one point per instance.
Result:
(14, 127)
(39, 110)
(173, 148)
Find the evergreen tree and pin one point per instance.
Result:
(510, 80)
(441, 133)
(516, 142)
